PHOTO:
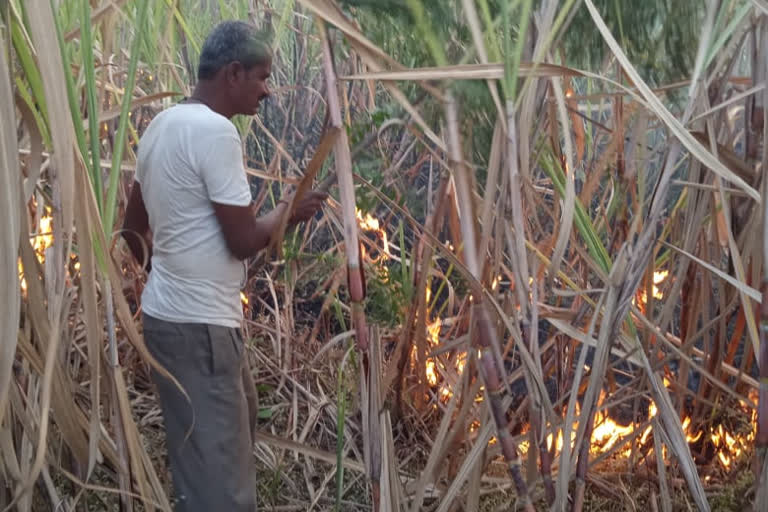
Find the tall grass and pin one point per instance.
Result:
(531, 202)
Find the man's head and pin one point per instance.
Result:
(238, 59)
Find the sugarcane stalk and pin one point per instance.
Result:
(486, 336)
(762, 406)
(124, 471)
(599, 366)
(519, 263)
(355, 276)
(759, 125)
(581, 465)
(416, 323)
(537, 426)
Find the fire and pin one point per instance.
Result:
(21, 277)
(244, 299)
(691, 438)
(44, 237)
(607, 432)
(433, 330)
(367, 223)
(432, 370)
(433, 335)
(370, 223)
(729, 447)
(659, 277)
(41, 241)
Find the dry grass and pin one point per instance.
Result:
(593, 260)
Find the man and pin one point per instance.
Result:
(190, 207)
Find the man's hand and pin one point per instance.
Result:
(307, 207)
(247, 234)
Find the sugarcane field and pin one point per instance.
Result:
(383, 255)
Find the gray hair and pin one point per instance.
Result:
(231, 41)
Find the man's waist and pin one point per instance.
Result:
(227, 277)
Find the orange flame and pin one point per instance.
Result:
(659, 277)
(371, 223)
(41, 241)
(433, 332)
(607, 433)
(44, 236)
(21, 278)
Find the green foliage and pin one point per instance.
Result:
(658, 36)
(92, 97)
(386, 298)
(341, 411)
(110, 210)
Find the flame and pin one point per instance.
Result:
(659, 277)
(691, 438)
(431, 372)
(244, 299)
(433, 330)
(607, 432)
(433, 334)
(21, 278)
(44, 237)
(371, 223)
(41, 241)
(730, 447)
(367, 223)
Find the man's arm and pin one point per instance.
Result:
(247, 234)
(136, 228)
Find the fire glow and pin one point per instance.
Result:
(658, 278)
(371, 224)
(42, 239)
(607, 434)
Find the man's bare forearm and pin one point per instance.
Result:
(265, 227)
(247, 234)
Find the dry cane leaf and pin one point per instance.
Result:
(10, 195)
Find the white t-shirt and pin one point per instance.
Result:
(188, 157)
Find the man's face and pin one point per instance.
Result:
(250, 87)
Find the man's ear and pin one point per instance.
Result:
(234, 72)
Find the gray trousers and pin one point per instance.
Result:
(208, 436)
